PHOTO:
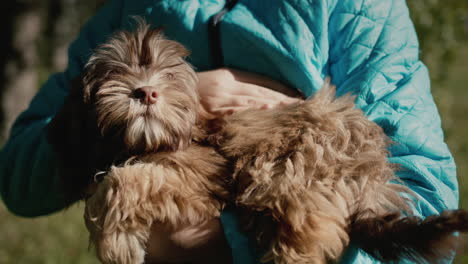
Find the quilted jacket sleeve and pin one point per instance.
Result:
(28, 179)
(374, 54)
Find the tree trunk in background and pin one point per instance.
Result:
(37, 35)
(19, 59)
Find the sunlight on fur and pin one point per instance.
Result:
(132, 60)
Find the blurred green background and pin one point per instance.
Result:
(40, 31)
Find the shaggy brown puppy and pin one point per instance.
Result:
(136, 102)
(309, 177)
(136, 95)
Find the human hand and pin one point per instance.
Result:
(224, 91)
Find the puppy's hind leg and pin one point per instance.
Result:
(310, 217)
(318, 237)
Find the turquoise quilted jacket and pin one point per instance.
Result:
(368, 47)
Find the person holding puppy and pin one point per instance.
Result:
(260, 54)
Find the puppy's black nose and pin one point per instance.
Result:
(147, 94)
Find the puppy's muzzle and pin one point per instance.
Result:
(147, 94)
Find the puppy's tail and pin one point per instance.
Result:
(393, 237)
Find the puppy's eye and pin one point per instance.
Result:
(170, 76)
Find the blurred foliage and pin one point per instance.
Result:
(442, 27)
(62, 21)
(60, 238)
(451, 96)
(37, 36)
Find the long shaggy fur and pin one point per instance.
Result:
(176, 188)
(308, 177)
(319, 168)
(132, 60)
(103, 123)
(311, 166)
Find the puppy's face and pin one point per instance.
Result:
(143, 91)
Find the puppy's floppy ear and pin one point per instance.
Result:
(85, 87)
(66, 122)
(72, 136)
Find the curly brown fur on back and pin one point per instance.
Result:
(317, 167)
